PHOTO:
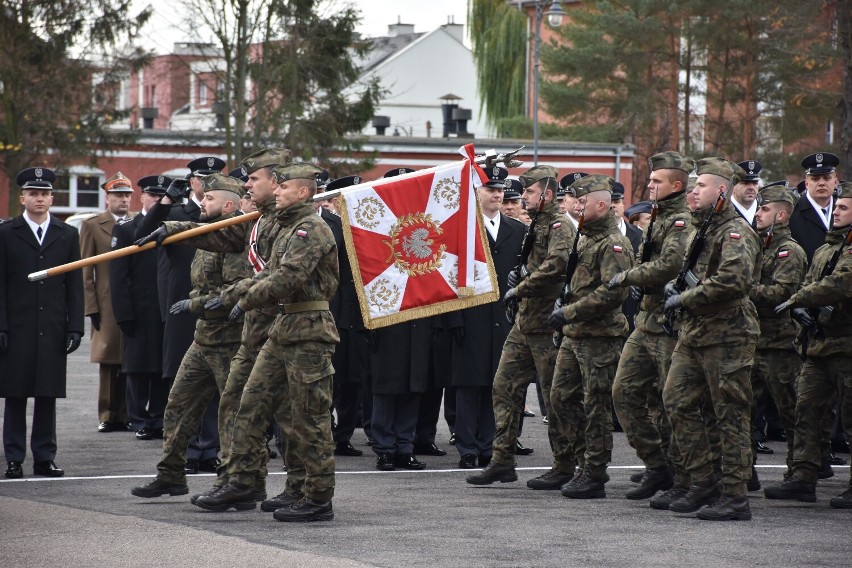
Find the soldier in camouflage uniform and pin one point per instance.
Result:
(827, 371)
(293, 369)
(594, 329)
(715, 352)
(776, 362)
(529, 351)
(644, 363)
(204, 368)
(256, 239)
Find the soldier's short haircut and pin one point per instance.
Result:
(311, 184)
(678, 176)
(600, 195)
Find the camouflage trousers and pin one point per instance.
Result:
(821, 381)
(229, 404)
(775, 370)
(524, 357)
(202, 373)
(637, 395)
(720, 374)
(580, 421)
(297, 377)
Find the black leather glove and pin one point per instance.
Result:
(4, 341)
(513, 279)
(213, 304)
(179, 307)
(236, 313)
(128, 328)
(803, 317)
(72, 342)
(458, 336)
(96, 321)
(158, 235)
(669, 290)
(673, 303)
(511, 294)
(635, 293)
(557, 318)
(615, 281)
(177, 190)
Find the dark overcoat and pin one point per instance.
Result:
(399, 357)
(37, 315)
(806, 227)
(486, 327)
(133, 286)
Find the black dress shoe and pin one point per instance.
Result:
(835, 460)
(371, 442)
(48, 469)
(144, 434)
(408, 461)
(306, 510)
(105, 427)
(521, 450)
(452, 440)
(346, 449)
(210, 465)
(385, 462)
(14, 470)
(428, 450)
(529, 413)
(762, 448)
(467, 461)
(159, 487)
(191, 466)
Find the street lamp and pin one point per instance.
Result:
(555, 16)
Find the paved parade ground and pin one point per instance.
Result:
(424, 518)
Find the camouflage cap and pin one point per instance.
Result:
(716, 166)
(538, 173)
(776, 192)
(221, 182)
(295, 170)
(670, 160)
(590, 183)
(845, 190)
(265, 158)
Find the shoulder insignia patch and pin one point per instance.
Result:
(557, 224)
(301, 233)
(617, 248)
(680, 223)
(783, 253)
(735, 236)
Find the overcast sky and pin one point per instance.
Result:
(166, 27)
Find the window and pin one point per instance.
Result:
(77, 190)
(202, 93)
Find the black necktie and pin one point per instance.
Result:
(825, 211)
(492, 223)
(39, 233)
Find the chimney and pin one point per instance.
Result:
(454, 29)
(450, 103)
(380, 123)
(399, 29)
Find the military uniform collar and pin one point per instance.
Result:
(295, 211)
(267, 205)
(601, 227)
(836, 235)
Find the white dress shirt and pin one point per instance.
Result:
(36, 228)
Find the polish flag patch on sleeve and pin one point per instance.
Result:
(301, 233)
(783, 253)
(735, 236)
(617, 248)
(680, 223)
(557, 224)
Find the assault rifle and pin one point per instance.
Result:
(570, 268)
(687, 279)
(647, 246)
(520, 270)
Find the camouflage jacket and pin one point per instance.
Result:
(718, 309)
(303, 269)
(834, 290)
(554, 235)
(594, 310)
(672, 232)
(209, 273)
(781, 273)
(237, 239)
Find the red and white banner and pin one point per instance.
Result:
(415, 243)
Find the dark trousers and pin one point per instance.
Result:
(351, 360)
(475, 425)
(147, 394)
(393, 422)
(450, 408)
(112, 394)
(43, 435)
(427, 416)
(345, 397)
(204, 445)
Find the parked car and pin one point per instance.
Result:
(77, 219)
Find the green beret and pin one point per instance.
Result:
(295, 170)
(265, 158)
(844, 190)
(221, 182)
(590, 183)
(671, 160)
(538, 173)
(776, 192)
(716, 166)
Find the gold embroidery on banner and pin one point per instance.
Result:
(369, 211)
(412, 242)
(446, 192)
(384, 295)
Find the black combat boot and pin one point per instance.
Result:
(585, 486)
(550, 480)
(753, 483)
(231, 496)
(158, 487)
(210, 491)
(825, 470)
(698, 495)
(283, 499)
(662, 501)
(638, 477)
(654, 480)
(842, 501)
(726, 508)
(792, 488)
(305, 510)
(504, 473)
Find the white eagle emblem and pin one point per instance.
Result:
(819, 159)
(417, 243)
(160, 180)
(39, 172)
(210, 162)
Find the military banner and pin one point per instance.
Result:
(416, 243)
